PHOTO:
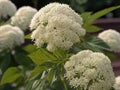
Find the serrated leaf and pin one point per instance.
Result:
(91, 28)
(42, 55)
(11, 75)
(101, 13)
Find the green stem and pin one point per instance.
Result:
(63, 81)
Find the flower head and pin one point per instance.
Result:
(23, 17)
(10, 37)
(7, 9)
(112, 38)
(57, 25)
(89, 71)
(117, 83)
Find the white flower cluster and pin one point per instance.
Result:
(58, 26)
(112, 38)
(23, 17)
(7, 9)
(89, 71)
(117, 83)
(10, 37)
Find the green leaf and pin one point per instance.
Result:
(101, 13)
(5, 61)
(28, 36)
(91, 28)
(98, 43)
(23, 59)
(112, 56)
(30, 48)
(50, 76)
(85, 16)
(11, 75)
(60, 53)
(89, 19)
(42, 55)
(37, 70)
(40, 84)
(29, 85)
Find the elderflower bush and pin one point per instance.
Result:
(65, 55)
(23, 16)
(7, 9)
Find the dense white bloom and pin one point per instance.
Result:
(117, 83)
(7, 9)
(57, 25)
(89, 71)
(23, 17)
(10, 37)
(112, 38)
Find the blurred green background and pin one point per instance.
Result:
(78, 5)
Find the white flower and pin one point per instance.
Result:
(89, 71)
(112, 38)
(7, 9)
(117, 83)
(10, 37)
(23, 17)
(57, 25)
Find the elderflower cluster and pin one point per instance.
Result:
(117, 83)
(23, 17)
(7, 9)
(10, 37)
(58, 26)
(112, 38)
(89, 71)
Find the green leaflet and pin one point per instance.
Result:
(42, 55)
(10, 75)
(101, 13)
(89, 18)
